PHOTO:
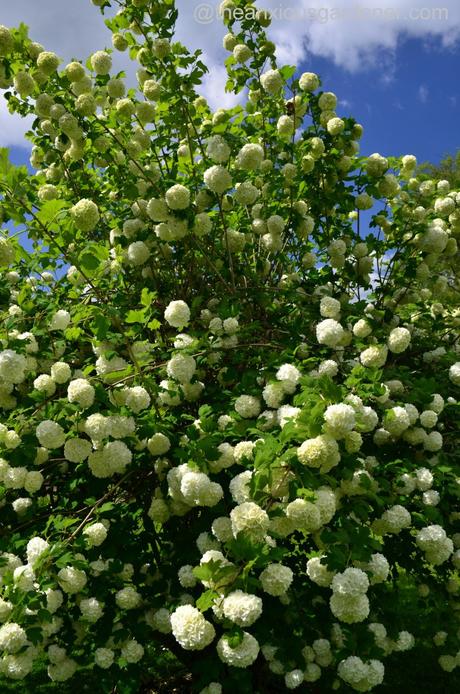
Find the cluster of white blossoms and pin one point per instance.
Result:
(362, 676)
(190, 629)
(321, 452)
(177, 314)
(242, 608)
(349, 602)
(85, 214)
(81, 392)
(433, 541)
(330, 332)
(242, 655)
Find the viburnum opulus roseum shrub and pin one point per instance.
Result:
(229, 419)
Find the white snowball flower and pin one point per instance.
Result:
(81, 392)
(276, 579)
(85, 214)
(242, 655)
(50, 434)
(95, 534)
(71, 580)
(250, 157)
(454, 373)
(218, 179)
(340, 419)
(329, 332)
(12, 637)
(128, 598)
(190, 629)
(249, 518)
(35, 548)
(242, 608)
(178, 197)
(399, 340)
(60, 320)
(181, 367)
(177, 314)
(271, 81)
(247, 406)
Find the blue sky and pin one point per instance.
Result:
(411, 108)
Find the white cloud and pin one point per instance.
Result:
(346, 32)
(13, 127)
(354, 34)
(423, 93)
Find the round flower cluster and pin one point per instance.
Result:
(433, 541)
(113, 458)
(136, 398)
(250, 157)
(12, 637)
(85, 214)
(309, 82)
(177, 314)
(374, 356)
(190, 629)
(304, 515)
(247, 406)
(349, 602)
(91, 609)
(218, 149)
(178, 197)
(158, 444)
(454, 373)
(396, 420)
(249, 518)
(12, 366)
(330, 308)
(242, 655)
(81, 392)
(45, 384)
(50, 434)
(60, 320)
(321, 452)
(271, 81)
(217, 179)
(101, 62)
(340, 419)
(181, 367)
(361, 676)
(399, 340)
(95, 534)
(329, 332)
(289, 376)
(242, 608)
(138, 253)
(35, 548)
(393, 520)
(128, 598)
(276, 579)
(72, 580)
(197, 489)
(318, 572)
(76, 450)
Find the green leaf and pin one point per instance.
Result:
(49, 210)
(147, 297)
(206, 600)
(287, 71)
(135, 316)
(88, 261)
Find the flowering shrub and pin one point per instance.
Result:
(229, 417)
